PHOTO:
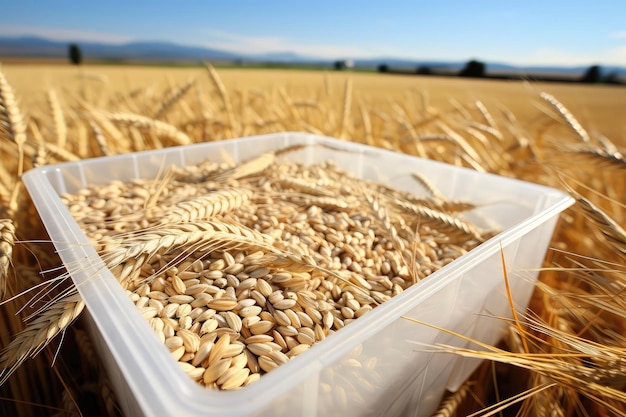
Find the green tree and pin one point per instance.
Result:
(473, 69)
(423, 70)
(76, 55)
(612, 78)
(592, 75)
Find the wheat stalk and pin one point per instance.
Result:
(156, 127)
(598, 383)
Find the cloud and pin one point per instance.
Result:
(269, 44)
(62, 34)
(618, 55)
(618, 34)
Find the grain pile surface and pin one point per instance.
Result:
(239, 269)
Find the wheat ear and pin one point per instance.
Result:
(367, 123)
(614, 233)
(194, 234)
(382, 216)
(602, 158)
(486, 115)
(62, 153)
(345, 111)
(450, 404)
(173, 99)
(39, 332)
(157, 127)
(430, 216)
(13, 126)
(251, 167)
(12, 122)
(99, 137)
(7, 240)
(472, 157)
(219, 85)
(428, 186)
(304, 187)
(60, 126)
(567, 115)
(206, 206)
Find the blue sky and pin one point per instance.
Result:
(527, 32)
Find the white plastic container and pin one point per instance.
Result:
(369, 368)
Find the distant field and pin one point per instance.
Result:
(598, 107)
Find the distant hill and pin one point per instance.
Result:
(36, 47)
(43, 48)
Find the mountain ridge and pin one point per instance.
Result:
(38, 47)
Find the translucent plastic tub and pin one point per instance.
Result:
(370, 367)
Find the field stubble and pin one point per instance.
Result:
(567, 350)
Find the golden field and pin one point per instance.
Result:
(597, 107)
(570, 362)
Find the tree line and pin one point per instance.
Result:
(477, 69)
(472, 69)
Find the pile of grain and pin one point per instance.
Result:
(239, 269)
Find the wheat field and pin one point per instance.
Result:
(563, 357)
